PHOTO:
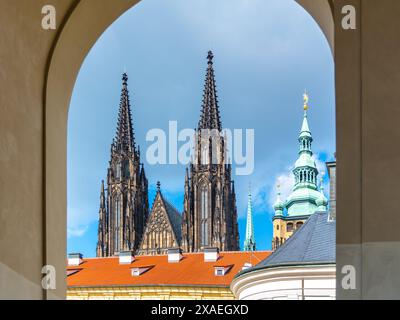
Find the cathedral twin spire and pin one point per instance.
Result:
(124, 207)
(209, 217)
(125, 138)
(210, 117)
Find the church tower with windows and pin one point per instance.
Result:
(124, 204)
(210, 216)
(306, 198)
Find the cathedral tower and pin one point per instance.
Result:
(209, 217)
(123, 212)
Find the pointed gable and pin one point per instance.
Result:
(163, 229)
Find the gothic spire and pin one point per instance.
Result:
(249, 243)
(125, 138)
(210, 118)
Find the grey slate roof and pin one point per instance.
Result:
(313, 243)
(175, 218)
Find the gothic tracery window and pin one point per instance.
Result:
(204, 216)
(117, 208)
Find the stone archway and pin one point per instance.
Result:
(79, 31)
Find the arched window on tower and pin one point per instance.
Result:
(118, 170)
(204, 216)
(117, 210)
(205, 149)
(289, 227)
(299, 224)
(277, 243)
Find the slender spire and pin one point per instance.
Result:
(279, 205)
(249, 243)
(305, 129)
(125, 139)
(210, 117)
(158, 186)
(305, 168)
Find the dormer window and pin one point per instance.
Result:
(220, 271)
(137, 271)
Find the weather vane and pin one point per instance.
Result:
(305, 99)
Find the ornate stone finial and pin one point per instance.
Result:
(158, 186)
(125, 79)
(210, 57)
(305, 99)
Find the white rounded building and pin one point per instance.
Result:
(303, 268)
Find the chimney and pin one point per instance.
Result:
(211, 254)
(74, 259)
(126, 257)
(174, 255)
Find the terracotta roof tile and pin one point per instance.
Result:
(190, 271)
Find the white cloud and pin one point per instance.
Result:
(78, 221)
(286, 181)
(77, 231)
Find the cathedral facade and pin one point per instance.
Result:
(124, 205)
(209, 217)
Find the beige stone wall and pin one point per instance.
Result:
(150, 293)
(24, 56)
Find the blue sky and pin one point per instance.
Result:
(267, 52)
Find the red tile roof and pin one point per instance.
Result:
(190, 271)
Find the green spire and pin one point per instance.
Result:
(279, 206)
(249, 243)
(302, 201)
